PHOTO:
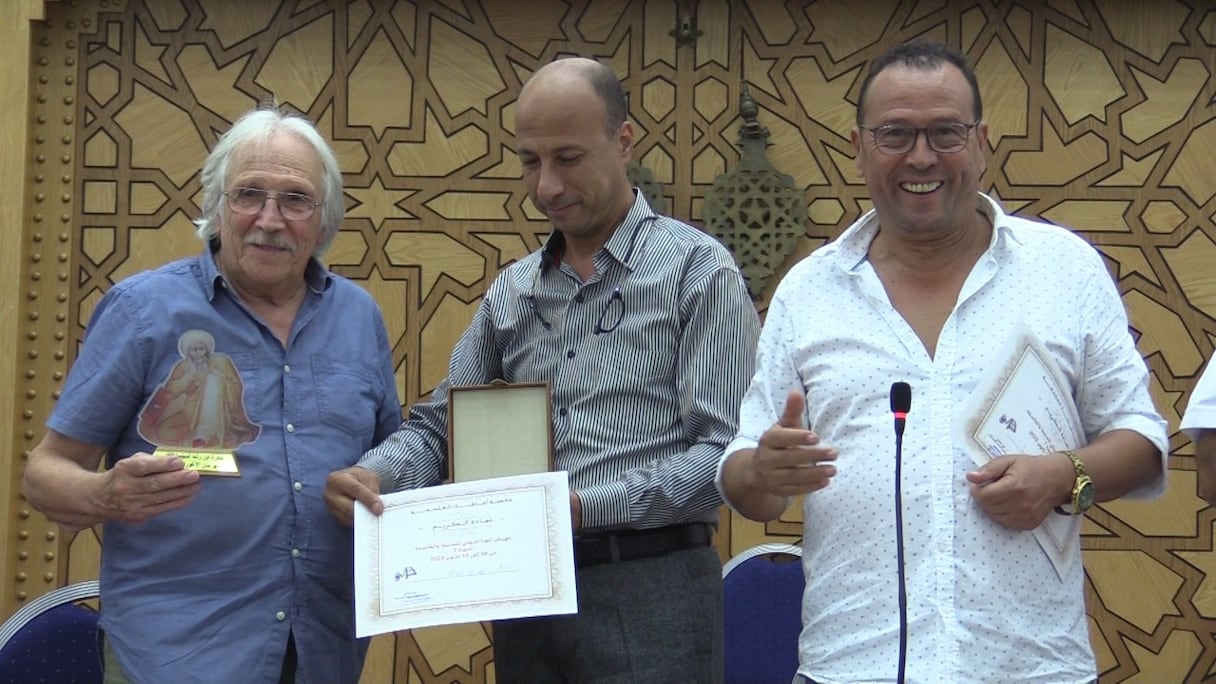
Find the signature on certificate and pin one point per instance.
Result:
(404, 573)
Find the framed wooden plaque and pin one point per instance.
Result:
(498, 430)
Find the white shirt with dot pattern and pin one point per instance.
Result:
(1201, 407)
(984, 602)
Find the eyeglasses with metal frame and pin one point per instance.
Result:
(293, 206)
(943, 138)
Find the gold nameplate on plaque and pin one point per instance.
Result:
(222, 463)
(499, 430)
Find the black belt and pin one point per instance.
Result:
(624, 545)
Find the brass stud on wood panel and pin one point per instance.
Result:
(31, 394)
(21, 596)
(22, 555)
(49, 555)
(48, 577)
(23, 534)
(23, 513)
(21, 577)
(50, 535)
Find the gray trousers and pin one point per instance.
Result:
(645, 621)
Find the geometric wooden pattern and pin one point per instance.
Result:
(1100, 116)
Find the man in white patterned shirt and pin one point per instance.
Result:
(643, 327)
(1199, 423)
(929, 289)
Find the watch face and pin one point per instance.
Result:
(1085, 496)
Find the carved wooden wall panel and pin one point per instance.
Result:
(1100, 114)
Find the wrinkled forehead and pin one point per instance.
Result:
(281, 153)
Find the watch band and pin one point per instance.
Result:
(1082, 486)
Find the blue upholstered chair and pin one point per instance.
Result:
(762, 607)
(52, 639)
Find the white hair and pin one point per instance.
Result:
(256, 127)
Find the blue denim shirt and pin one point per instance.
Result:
(210, 592)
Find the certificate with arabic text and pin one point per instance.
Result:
(1027, 408)
(486, 550)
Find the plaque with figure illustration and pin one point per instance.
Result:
(197, 412)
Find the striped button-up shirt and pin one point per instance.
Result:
(647, 362)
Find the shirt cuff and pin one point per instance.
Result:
(605, 505)
(382, 467)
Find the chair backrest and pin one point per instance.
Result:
(53, 639)
(762, 608)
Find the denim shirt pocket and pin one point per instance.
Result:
(347, 395)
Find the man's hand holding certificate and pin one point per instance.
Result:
(1026, 408)
(485, 550)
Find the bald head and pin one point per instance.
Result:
(573, 74)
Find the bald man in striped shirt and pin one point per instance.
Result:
(645, 331)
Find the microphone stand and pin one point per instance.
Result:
(899, 552)
(901, 403)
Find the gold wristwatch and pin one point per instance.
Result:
(1082, 487)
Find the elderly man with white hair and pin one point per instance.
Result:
(227, 579)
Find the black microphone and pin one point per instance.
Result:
(901, 404)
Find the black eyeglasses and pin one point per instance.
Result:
(610, 317)
(943, 138)
(612, 314)
(293, 206)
